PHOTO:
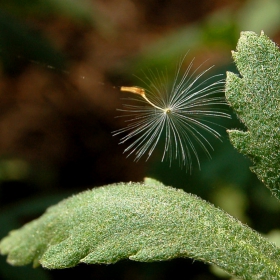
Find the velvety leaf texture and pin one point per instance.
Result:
(143, 222)
(255, 96)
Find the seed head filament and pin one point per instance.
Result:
(181, 113)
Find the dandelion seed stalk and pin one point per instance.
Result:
(141, 91)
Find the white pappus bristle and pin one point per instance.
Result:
(179, 111)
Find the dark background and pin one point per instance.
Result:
(62, 63)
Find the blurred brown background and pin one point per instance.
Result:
(62, 64)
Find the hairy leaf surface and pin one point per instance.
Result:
(143, 222)
(255, 96)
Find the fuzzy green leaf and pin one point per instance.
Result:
(256, 99)
(143, 222)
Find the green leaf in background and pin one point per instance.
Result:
(18, 40)
(258, 14)
(255, 96)
(215, 28)
(77, 10)
(81, 13)
(143, 222)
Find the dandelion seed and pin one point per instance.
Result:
(174, 111)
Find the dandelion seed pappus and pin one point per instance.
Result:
(180, 112)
